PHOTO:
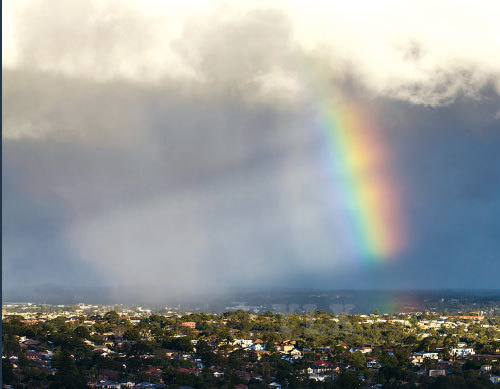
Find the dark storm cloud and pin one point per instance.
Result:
(179, 150)
(217, 193)
(212, 192)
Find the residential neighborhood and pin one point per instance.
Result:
(90, 346)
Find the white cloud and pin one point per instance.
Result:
(426, 52)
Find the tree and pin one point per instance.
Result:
(10, 344)
(132, 334)
(112, 317)
(182, 344)
(205, 353)
(82, 332)
(63, 363)
(67, 375)
(347, 380)
(236, 358)
(358, 359)
(284, 370)
(7, 373)
(381, 378)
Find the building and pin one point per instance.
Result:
(364, 350)
(106, 384)
(495, 379)
(462, 351)
(418, 358)
(437, 373)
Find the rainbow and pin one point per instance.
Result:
(362, 180)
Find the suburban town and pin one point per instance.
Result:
(114, 347)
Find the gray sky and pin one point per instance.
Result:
(172, 143)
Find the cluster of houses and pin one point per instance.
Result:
(123, 384)
(33, 313)
(40, 357)
(321, 370)
(112, 344)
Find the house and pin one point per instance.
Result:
(364, 350)
(170, 353)
(102, 349)
(489, 357)
(318, 377)
(127, 384)
(92, 382)
(320, 368)
(194, 371)
(285, 348)
(218, 374)
(495, 379)
(32, 355)
(372, 365)
(296, 354)
(257, 347)
(30, 343)
(321, 371)
(154, 370)
(106, 384)
(462, 351)
(437, 373)
(245, 343)
(190, 324)
(418, 358)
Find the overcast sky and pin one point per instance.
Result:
(172, 143)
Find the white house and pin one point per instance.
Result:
(364, 350)
(495, 379)
(318, 377)
(105, 384)
(257, 347)
(218, 374)
(418, 358)
(245, 343)
(296, 354)
(462, 351)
